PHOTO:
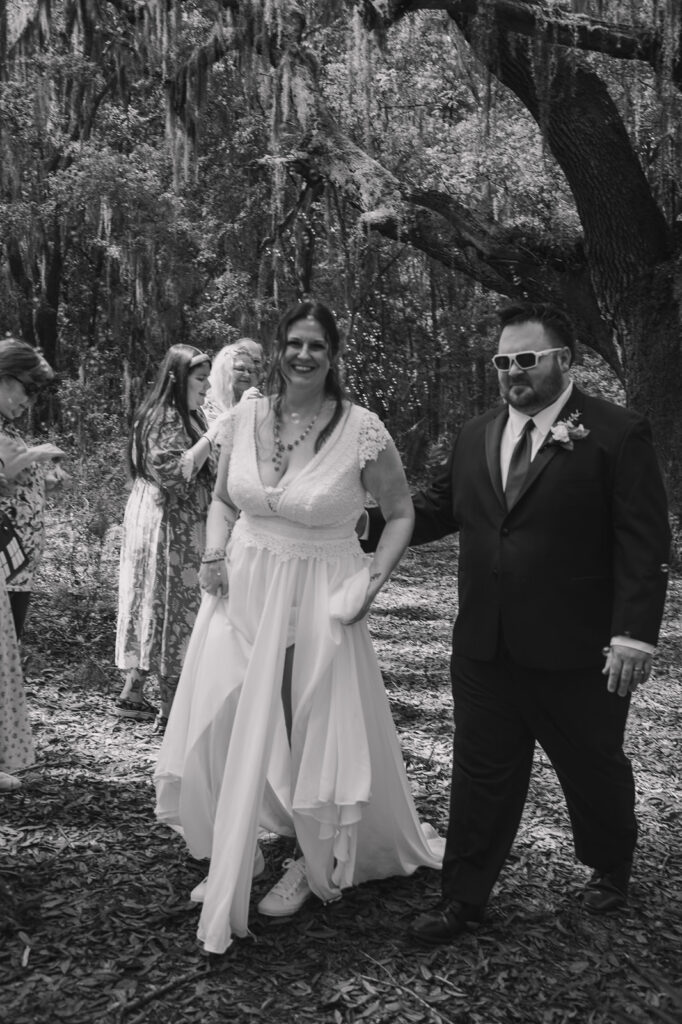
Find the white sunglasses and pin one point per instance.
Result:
(524, 360)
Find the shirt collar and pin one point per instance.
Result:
(544, 419)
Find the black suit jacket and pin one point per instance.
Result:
(580, 557)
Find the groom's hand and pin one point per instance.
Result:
(626, 668)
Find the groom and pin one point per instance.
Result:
(564, 541)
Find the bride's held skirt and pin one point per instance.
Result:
(226, 768)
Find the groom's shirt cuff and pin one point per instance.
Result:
(639, 645)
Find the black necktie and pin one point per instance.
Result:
(518, 465)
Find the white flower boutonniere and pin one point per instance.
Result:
(565, 432)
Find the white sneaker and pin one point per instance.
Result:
(199, 891)
(289, 894)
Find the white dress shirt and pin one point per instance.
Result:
(516, 422)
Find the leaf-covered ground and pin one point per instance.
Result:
(95, 920)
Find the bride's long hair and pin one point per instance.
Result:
(277, 382)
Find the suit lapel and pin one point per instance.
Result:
(549, 451)
(493, 439)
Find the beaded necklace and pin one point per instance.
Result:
(280, 447)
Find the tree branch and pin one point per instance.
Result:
(533, 19)
(500, 259)
(625, 230)
(527, 270)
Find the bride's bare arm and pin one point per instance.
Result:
(384, 477)
(222, 516)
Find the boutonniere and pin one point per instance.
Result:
(565, 432)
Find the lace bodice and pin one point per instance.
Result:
(327, 493)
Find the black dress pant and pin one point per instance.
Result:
(501, 709)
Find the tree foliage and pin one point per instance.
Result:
(188, 168)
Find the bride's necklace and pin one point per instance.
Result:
(281, 448)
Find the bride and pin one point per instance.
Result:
(281, 721)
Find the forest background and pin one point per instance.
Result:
(182, 170)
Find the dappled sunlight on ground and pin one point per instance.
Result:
(95, 920)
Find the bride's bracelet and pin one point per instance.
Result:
(212, 555)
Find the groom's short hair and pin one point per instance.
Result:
(554, 320)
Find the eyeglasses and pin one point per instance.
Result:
(524, 360)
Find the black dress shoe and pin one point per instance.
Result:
(447, 919)
(607, 890)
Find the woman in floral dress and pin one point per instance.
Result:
(171, 463)
(16, 743)
(22, 497)
(23, 371)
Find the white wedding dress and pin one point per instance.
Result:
(225, 769)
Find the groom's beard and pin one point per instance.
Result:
(529, 394)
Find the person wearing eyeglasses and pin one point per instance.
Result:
(563, 548)
(23, 475)
(31, 470)
(236, 372)
(16, 741)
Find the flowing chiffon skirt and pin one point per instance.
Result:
(226, 768)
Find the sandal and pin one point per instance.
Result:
(8, 783)
(160, 723)
(134, 710)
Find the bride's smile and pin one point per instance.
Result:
(306, 356)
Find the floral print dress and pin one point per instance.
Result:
(163, 539)
(16, 744)
(26, 508)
